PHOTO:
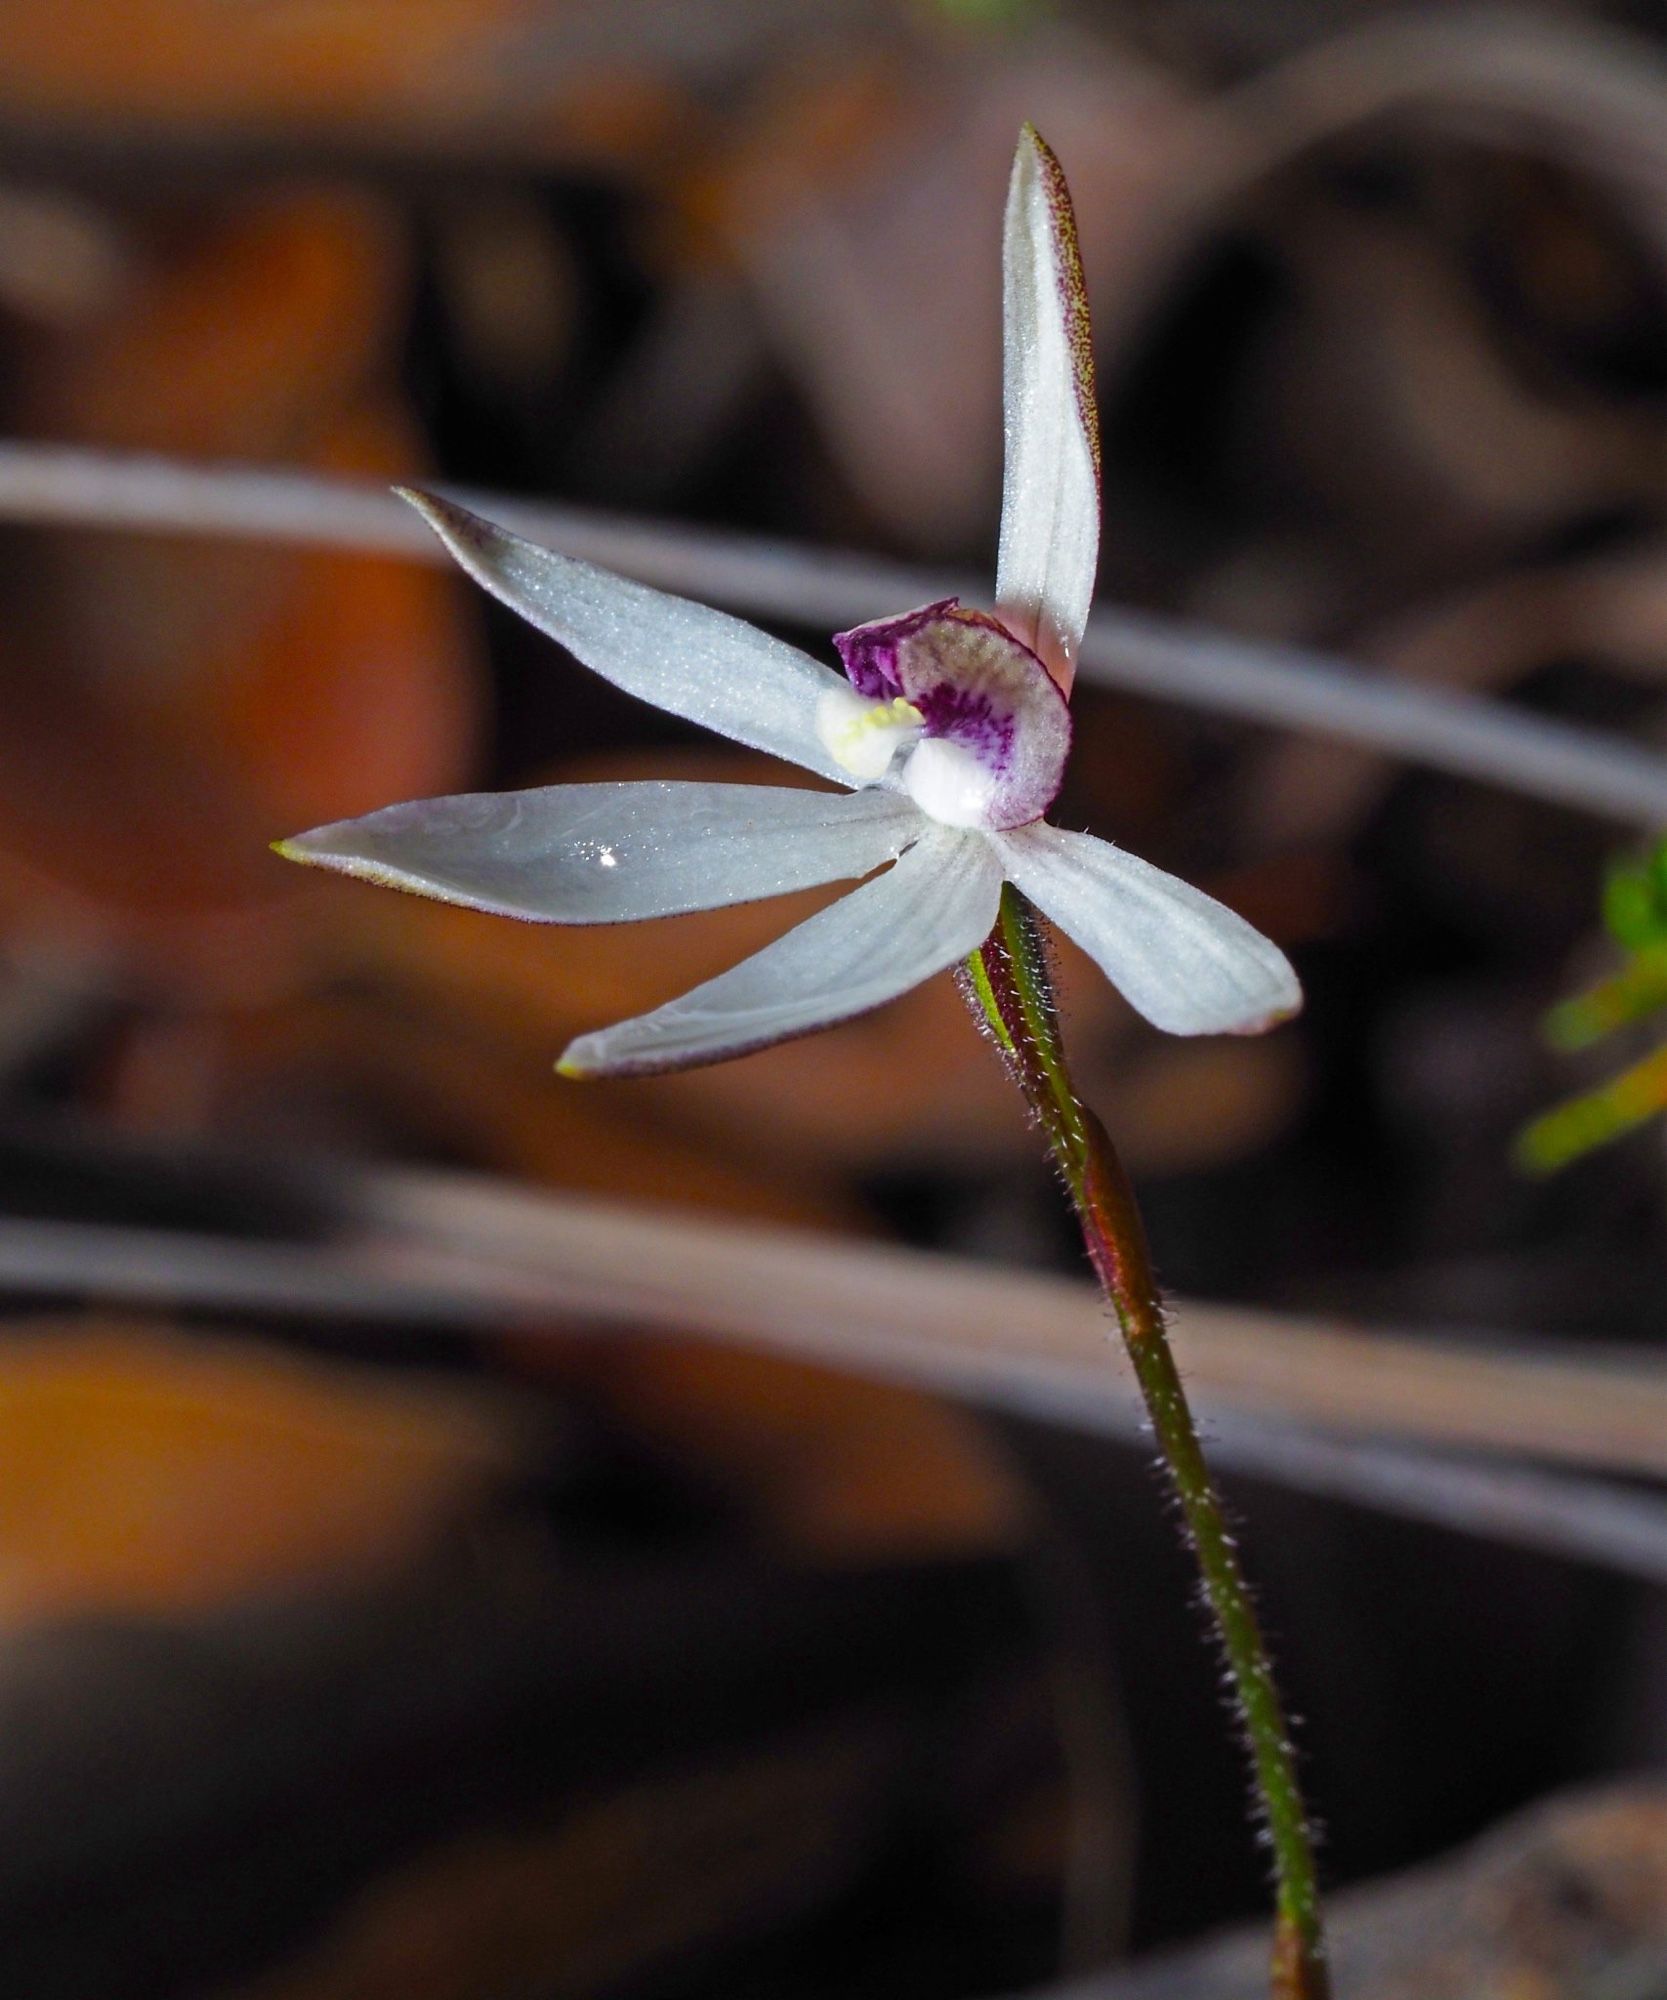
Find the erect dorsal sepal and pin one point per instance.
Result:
(1050, 509)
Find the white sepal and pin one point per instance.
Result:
(1185, 961)
(685, 658)
(930, 910)
(604, 854)
(1050, 508)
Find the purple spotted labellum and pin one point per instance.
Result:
(979, 726)
(949, 732)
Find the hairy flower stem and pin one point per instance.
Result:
(1010, 986)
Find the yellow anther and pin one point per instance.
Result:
(862, 736)
(894, 714)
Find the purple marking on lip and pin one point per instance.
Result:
(970, 718)
(869, 652)
(976, 686)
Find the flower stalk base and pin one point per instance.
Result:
(1010, 990)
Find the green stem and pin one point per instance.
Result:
(1011, 989)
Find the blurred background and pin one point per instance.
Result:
(369, 1632)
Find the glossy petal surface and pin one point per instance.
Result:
(602, 854)
(1187, 962)
(1050, 509)
(683, 657)
(927, 912)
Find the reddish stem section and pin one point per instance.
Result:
(1009, 980)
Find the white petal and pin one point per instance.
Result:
(685, 658)
(1184, 960)
(1050, 508)
(935, 906)
(603, 854)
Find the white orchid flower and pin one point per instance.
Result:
(949, 731)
